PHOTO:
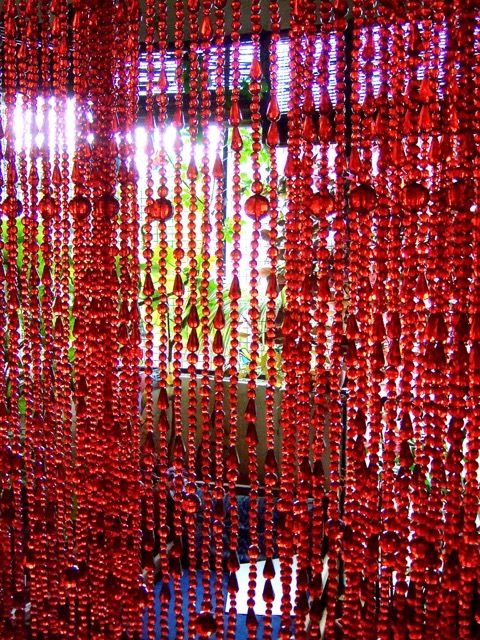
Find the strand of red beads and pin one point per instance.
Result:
(333, 525)
(76, 570)
(190, 500)
(11, 208)
(62, 256)
(256, 207)
(443, 251)
(131, 314)
(147, 455)
(218, 348)
(162, 212)
(414, 197)
(206, 621)
(390, 161)
(306, 221)
(61, 484)
(469, 552)
(234, 294)
(321, 205)
(435, 383)
(178, 292)
(291, 323)
(371, 314)
(270, 465)
(455, 198)
(132, 478)
(28, 284)
(362, 200)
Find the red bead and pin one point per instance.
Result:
(321, 204)
(11, 207)
(205, 625)
(415, 196)
(363, 197)
(80, 208)
(107, 207)
(257, 206)
(48, 207)
(160, 210)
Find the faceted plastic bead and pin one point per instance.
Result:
(148, 286)
(425, 119)
(257, 206)
(47, 207)
(11, 207)
(165, 593)
(309, 129)
(251, 437)
(160, 210)
(235, 292)
(70, 576)
(80, 208)
(415, 196)
(237, 142)
(233, 563)
(250, 411)
(321, 204)
(268, 594)
(107, 206)
(309, 102)
(190, 503)
(273, 110)
(205, 625)
(251, 622)
(193, 344)
(219, 319)
(269, 569)
(232, 583)
(273, 137)
(193, 320)
(363, 197)
(289, 169)
(206, 30)
(272, 286)
(178, 287)
(355, 164)
(217, 344)
(218, 168)
(459, 195)
(235, 115)
(163, 81)
(256, 70)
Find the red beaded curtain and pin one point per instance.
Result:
(122, 410)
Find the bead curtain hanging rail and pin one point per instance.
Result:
(357, 427)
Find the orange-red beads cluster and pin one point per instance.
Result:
(125, 424)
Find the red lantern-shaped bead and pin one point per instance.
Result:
(80, 208)
(11, 207)
(47, 207)
(160, 210)
(415, 196)
(321, 203)
(107, 206)
(257, 206)
(459, 195)
(363, 197)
